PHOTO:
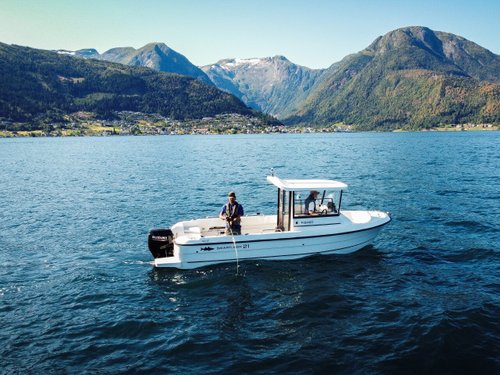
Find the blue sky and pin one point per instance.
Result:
(313, 33)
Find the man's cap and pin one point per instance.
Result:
(232, 194)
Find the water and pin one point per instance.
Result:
(78, 293)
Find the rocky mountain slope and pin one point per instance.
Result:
(273, 85)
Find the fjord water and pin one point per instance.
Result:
(78, 292)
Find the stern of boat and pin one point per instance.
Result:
(169, 262)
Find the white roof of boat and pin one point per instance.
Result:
(303, 185)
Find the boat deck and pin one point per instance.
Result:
(213, 226)
(266, 224)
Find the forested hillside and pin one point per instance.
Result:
(42, 84)
(410, 78)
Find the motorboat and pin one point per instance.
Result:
(295, 231)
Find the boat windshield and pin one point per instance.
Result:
(314, 203)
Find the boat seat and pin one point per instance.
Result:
(195, 230)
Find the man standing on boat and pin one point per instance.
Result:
(231, 213)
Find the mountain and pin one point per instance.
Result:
(87, 53)
(411, 77)
(273, 85)
(38, 83)
(157, 56)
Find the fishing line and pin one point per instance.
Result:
(235, 250)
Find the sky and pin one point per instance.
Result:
(312, 33)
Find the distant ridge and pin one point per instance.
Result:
(273, 84)
(157, 56)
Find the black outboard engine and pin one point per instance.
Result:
(161, 243)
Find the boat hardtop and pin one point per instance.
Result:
(304, 225)
(306, 185)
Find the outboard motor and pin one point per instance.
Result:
(161, 243)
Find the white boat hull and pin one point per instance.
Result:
(334, 238)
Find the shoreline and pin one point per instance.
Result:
(109, 132)
(85, 124)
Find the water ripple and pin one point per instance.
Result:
(78, 293)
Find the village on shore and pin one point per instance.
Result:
(136, 123)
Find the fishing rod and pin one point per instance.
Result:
(228, 218)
